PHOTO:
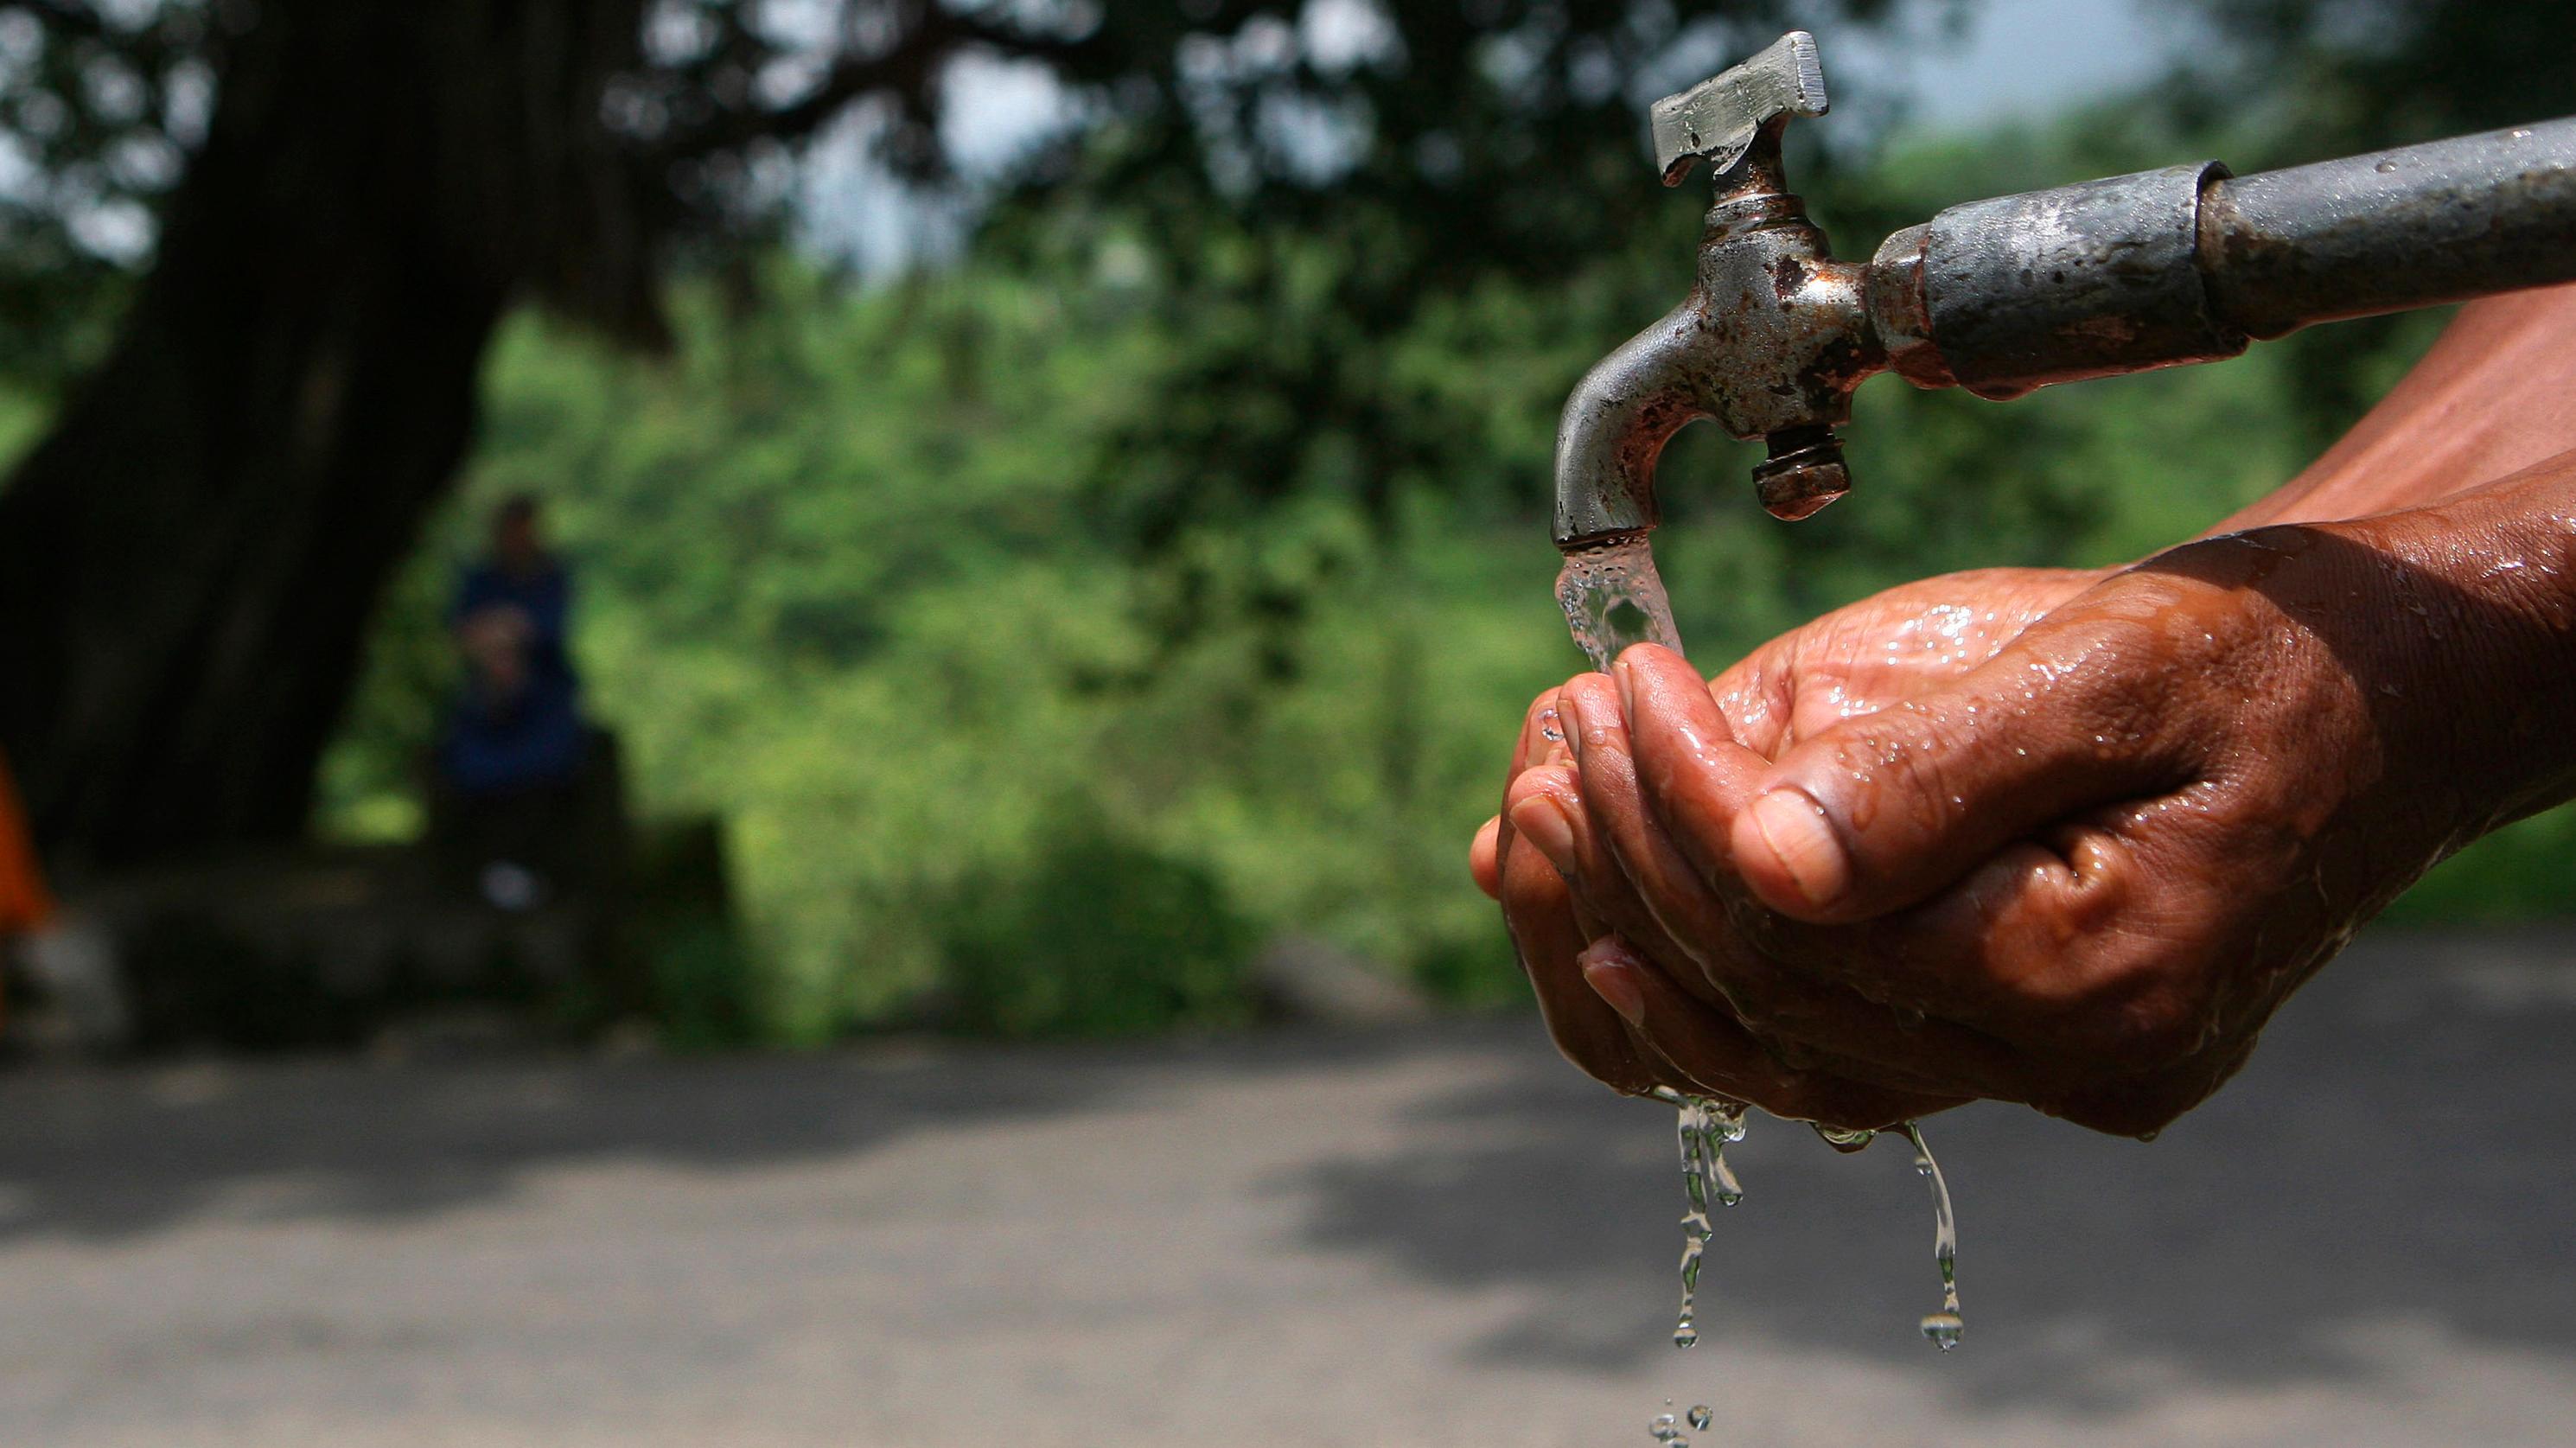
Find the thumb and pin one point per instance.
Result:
(1883, 810)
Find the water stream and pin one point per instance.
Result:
(1613, 598)
(1943, 1327)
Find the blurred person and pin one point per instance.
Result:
(515, 743)
(26, 905)
(71, 961)
(2068, 837)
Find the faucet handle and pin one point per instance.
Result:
(1720, 117)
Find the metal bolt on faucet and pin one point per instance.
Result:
(2184, 264)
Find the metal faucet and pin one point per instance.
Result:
(2184, 264)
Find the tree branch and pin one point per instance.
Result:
(906, 68)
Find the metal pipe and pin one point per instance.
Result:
(2188, 263)
(2184, 264)
(2088, 280)
(2413, 227)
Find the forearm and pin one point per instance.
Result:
(2476, 642)
(2495, 394)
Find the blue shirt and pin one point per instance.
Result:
(534, 738)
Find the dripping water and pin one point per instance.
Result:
(1704, 1129)
(1944, 1327)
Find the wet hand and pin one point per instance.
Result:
(2083, 872)
(1569, 952)
(1589, 946)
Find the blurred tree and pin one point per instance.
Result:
(1116, 491)
(348, 197)
(2305, 81)
(2334, 76)
(337, 202)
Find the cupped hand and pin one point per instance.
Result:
(1854, 661)
(2080, 871)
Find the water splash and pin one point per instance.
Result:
(1945, 1327)
(1613, 597)
(1704, 1129)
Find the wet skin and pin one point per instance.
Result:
(2067, 838)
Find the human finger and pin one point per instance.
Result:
(1659, 903)
(1880, 811)
(1485, 858)
(1539, 911)
(1718, 1057)
(1692, 775)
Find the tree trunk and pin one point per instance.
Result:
(189, 561)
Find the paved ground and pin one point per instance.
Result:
(1434, 1237)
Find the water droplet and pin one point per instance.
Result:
(1664, 1428)
(1944, 1329)
(2383, 168)
(1701, 1417)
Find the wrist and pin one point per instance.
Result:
(2474, 648)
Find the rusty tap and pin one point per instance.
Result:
(2183, 264)
(1771, 340)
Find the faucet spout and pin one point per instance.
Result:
(1770, 342)
(1617, 421)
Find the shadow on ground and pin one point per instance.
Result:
(2395, 1158)
(118, 1152)
(104, 1154)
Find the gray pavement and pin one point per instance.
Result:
(1433, 1236)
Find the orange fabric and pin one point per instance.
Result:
(25, 903)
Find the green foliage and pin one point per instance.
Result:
(2525, 871)
(700, 983)
(701, 979)
(1249, 587)
(838, 586)
(1096, 936)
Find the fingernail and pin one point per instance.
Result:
(1542, 822)
(1627, 691)
(1616, 984)
(1794, 826)
(1570, 719)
